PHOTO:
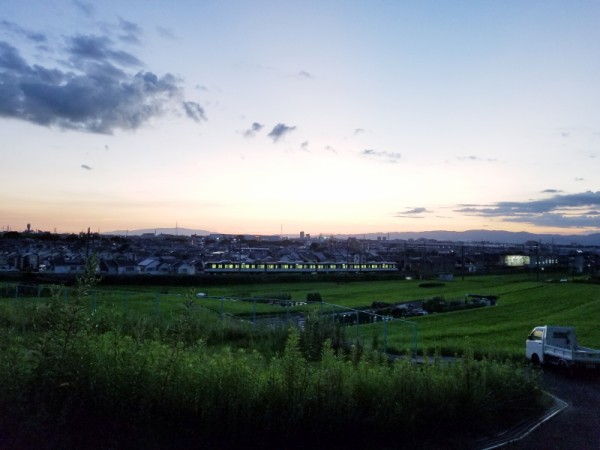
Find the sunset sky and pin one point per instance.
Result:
(322, 116)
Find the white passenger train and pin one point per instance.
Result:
(215, 267)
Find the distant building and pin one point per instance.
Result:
(517, 260)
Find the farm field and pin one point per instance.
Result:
(501, 330)
(524, 302)
(497, 331)
(88, 359)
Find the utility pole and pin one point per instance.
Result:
(87, 244)
(463, 261)
(537, 262)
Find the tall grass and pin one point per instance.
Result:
(160, 394)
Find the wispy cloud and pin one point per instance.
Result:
(391, 157)
(476, 158)
(413, 213)
(279, 131)
(166, 33)
(568, 210)
(84, 49)
(129, 32)
(254, 128)
(18, 30)
(86, 8)
(305, 74)
(98, 87)
(194, 111)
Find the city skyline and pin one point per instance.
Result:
(329, 117)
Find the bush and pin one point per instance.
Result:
(314, 297)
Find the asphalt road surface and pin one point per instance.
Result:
(575, 428)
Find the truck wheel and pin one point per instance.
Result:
(535, 359)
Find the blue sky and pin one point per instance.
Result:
(321, 116)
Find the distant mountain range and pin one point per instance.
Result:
(496, 236)
(158, 231)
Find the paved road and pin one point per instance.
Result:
(578, 426)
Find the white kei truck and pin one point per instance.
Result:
(558, 346)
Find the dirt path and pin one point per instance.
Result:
(576, 427)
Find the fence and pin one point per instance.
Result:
(361, 326)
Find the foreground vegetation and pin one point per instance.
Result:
(72, 376)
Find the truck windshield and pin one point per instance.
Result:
(536, 335)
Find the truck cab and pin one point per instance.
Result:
(542, 339)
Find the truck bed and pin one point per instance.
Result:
(581, 355)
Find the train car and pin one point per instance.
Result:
(231, 267)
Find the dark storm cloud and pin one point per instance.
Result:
(254, 128)
(391, 157)
(20, 31)
(279, 131)
(569, 210)
(413, 213)
(96, 92)
(10, 59)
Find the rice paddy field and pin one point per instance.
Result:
(524, 301)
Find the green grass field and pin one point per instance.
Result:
(524, 302)
(501, 330)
